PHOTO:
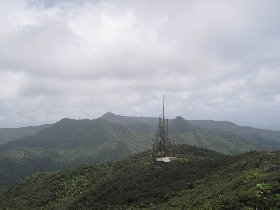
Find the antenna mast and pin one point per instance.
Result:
(161, 142)
(163, 107)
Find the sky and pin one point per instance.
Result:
(213, 59)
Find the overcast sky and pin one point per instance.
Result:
(216, 59)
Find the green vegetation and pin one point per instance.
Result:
(66, 144)
(200, 179)
(262, 138)
(11, 134)
(70, 143)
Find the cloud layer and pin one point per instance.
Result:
(213, 60)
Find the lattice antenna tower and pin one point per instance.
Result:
(161, 142)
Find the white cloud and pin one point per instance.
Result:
(83, 58)
(267, 77)
(10, 85)
(227, 88)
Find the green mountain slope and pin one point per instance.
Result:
(181, 132)
(254, 138)
(261, 137)
(200, 179)
(146, 125)
(186, 132)
(11, 134)
(66, 144)
(68, 134)
(69, 143)
(125, 120)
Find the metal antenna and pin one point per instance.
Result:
(163, 107)
(161, 142)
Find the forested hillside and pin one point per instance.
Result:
(261, 137)
(69, 143)
(11, 134)
(199, 179)
(254, 137)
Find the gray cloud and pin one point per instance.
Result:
(79, 59)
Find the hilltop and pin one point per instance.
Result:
(200, 179)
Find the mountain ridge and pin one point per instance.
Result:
(69, 143)
(11, 134)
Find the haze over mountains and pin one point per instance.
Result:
(69, 143)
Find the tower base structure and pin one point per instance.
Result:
(166, 159)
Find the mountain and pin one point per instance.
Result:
(146, 125)
(182, 132)
(254, 138)
(262, 137)
(199, 179)
(129, 120)
(246, 138)
(11, 134)
(66, 144)
(70, 143)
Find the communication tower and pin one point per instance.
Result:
(161, 142)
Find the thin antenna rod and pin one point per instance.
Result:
(163, 107)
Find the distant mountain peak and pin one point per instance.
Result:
(179, 124)
(64, 120)
(71, 122)
(109, 114)
(180, 119)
